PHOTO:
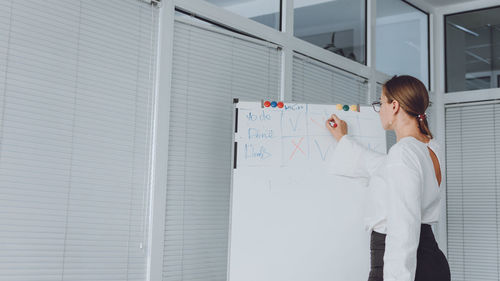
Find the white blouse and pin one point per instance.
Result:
(403, 194)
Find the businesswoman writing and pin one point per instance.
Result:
(403, 185)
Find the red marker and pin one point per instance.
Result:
(333, 124)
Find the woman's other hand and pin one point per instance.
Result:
(336, 126)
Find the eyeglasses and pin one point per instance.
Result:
(376, 106)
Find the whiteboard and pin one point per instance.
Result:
(290, 219)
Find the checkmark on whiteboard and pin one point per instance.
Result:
(323, 155)
(294, 124)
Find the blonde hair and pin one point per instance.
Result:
(412, 96)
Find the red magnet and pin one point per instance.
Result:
(267, 103)
(280, 104)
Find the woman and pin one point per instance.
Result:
(403, 185)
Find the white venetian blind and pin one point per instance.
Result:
(211, 66)
(76, 99)
(473, 191)
(317, 82)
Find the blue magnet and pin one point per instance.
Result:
(274, 104)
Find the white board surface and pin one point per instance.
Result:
(290, 219)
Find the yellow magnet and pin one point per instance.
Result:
(339, 106)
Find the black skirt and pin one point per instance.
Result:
(431, 262)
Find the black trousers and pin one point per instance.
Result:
(431, 262)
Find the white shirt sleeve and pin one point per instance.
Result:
(403, 222)
(352, 159)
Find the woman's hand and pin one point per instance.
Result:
(339, 128)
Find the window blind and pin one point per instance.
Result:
(76, 102)
(473, 169)
(317, 82)
(211, 66)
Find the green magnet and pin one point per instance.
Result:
(345, 107)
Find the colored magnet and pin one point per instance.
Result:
(267, 103)
(280, 104)
(274, 104)
(354, 107)
(339, 106)
(345, 108)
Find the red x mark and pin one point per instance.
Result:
(297, 147)
(316, 122)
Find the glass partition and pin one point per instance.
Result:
(335, 25)
(266, 12)
(402, 40)
(473, 50)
